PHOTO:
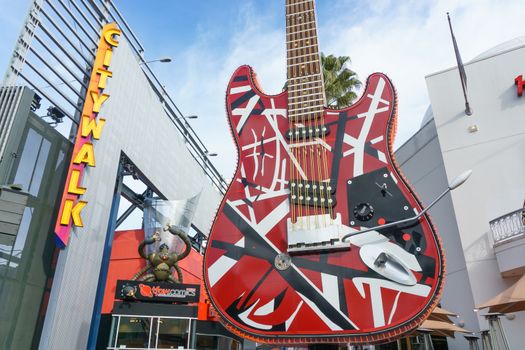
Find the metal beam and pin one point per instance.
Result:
(125, 215)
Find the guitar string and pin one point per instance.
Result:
(312, 50)
(306, 138)
(314, 160)
(309, 72)
(291, 182)
(298, 68)
(325, 185)
(300, 152)
(297, 150)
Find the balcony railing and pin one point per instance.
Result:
(508, 226)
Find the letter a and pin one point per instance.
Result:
(85, 155)
(73, 212)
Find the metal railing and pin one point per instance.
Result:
(508, 226)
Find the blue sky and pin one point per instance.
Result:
(406, 39)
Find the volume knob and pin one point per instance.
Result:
(363, 211)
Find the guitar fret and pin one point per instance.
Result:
(316, 81)
(300, 31)
(313, 85)
(298, 3)
(303, 47)
(298, 13)
(305, 38)
(311, 75)
(292, 96)
(306, 101)
(300, 24)
(300, 109)
(304, 114)
(302, 63)
(303, 96)
(308, 54)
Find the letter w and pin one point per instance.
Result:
(91, 126)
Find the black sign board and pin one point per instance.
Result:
(157, 291)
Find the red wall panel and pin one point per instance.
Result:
(125, 261)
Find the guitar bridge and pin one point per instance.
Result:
(315, 233)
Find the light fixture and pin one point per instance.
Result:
(56, 115)
(35, 103)
(188, 117)
(162, 60)
(473, 128)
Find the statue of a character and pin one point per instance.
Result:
(160, 263)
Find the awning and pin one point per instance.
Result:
(440, 328)
(439, 314)
(510, 300)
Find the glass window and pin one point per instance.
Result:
(173, 333)
(229, 344)
(32, 162)
(206, 342)
(133, 332)
(40, 165)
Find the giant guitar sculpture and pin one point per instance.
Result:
(285, 261)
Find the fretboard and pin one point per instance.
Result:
(306, 97)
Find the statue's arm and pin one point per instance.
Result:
(178, 232)
(145, 242)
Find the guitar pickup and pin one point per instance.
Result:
(312, 193)
(300, 133)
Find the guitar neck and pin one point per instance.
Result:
(306, 95)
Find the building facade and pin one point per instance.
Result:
(54, 294)
(480, 262)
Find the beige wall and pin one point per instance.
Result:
(495, 153)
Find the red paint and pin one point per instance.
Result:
(125, 261)
(145, 290)
(242, 280)
(406, 237)
(520, 84)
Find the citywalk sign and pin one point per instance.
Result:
(89, 129)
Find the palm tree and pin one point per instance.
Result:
(340, 82)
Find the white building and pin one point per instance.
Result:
(491, 142)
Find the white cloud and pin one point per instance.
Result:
(206, 74)
(406, 40)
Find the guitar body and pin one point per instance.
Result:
(331, 295)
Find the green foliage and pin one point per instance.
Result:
(340, 82)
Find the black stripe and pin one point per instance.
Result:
(255, 243)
